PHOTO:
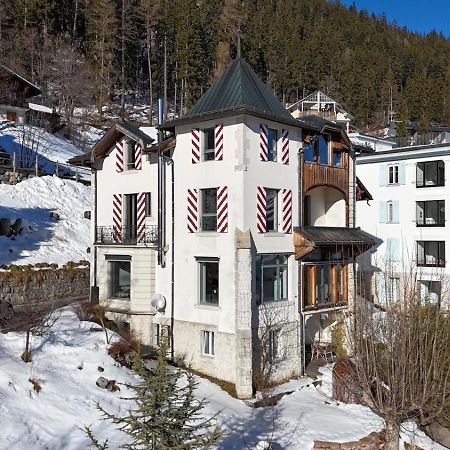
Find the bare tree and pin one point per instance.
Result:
(402, 355)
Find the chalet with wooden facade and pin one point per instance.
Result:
(14, 91)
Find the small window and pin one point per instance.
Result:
(431, 253)
(393, 174)
(207, 343)
(209, 281)
(271, 278)
(120, 272)
(323, 149)
(208, 145)
(337, 158)
(394, 289)
(272, 138)
(272, 209)
(148, 204)
(208, 204)
(131, 157)
(273, 345)
(389, 212)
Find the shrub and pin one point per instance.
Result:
(123, 349)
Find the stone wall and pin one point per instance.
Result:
(20, 284)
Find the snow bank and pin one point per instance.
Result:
(45, 239)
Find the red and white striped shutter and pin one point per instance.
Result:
(117, 217)
(137, 156)
(192, 210)
(261, 210)
(141, 217)
(195, 139)
(263, 143)
(222, 209)
(285, 146)
(119, 156)
(287, 211)
(218, 142)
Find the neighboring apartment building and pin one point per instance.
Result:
(225, 236)
(409, 215)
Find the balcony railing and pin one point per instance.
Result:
(127, 235)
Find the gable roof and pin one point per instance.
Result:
(34, 90)
(105, 143)
(238, 90)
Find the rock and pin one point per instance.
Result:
(438, 433)
(16, 227)
(263, 445)
(54, 215)
(100, 369)
(312, 369)
(87, 214)
(5, 226)
(102, 382)
(112, 386)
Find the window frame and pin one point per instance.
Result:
(440, 180)
(395, 174)
(112, 278)
(284, 285)
(393, 288)
(440, 257)
(272, 144)
(389, 211)
(207, 343)
(208, 151)
(428, 284)
(148, 204)
(202, 282)
(276, 212)
(440, 220)
(208, 214)
(130, 155)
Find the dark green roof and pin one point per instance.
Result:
(238, 90)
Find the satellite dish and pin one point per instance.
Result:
(158, 302)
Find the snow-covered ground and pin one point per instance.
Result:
(66, 364)
(45, 239)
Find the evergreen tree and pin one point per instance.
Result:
(167, 415)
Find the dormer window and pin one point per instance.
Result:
(208, 145)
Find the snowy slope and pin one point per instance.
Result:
(45, 239)
(52, 419)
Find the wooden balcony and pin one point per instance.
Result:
(321, 175)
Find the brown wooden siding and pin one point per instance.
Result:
(315, 175)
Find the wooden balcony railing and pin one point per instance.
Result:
(322, 175)
(127, 235)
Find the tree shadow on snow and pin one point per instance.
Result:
(37, 231)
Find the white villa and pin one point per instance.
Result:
(233, 235)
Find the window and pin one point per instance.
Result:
(430, 213)
(272, 209)
(394, 289)
(273, 344)
(120, 279)
(209, 281)
(430, 173)
(337, 158)
(207, 342)
(272, 138)
(315, 149)
(430, 291)
(393, 174)
(431, 253)
(208, 205)
(271, 278)
(130, 155)
(307, 211)
(208, 145)
(130, 232)
(162, 334)
(148, 204)
(389, 212)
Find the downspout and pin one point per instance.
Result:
(172, 270)
(161, 188)
(300, 278)
(94, 173)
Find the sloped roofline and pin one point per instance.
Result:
(35, 88)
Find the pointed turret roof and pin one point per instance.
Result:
(238, 90)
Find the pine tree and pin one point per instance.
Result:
(167, 415)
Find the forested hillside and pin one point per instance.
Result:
(85, 51)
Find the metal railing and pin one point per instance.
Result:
(127, 235)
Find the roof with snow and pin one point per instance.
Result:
(238, 90)
(102, 147)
